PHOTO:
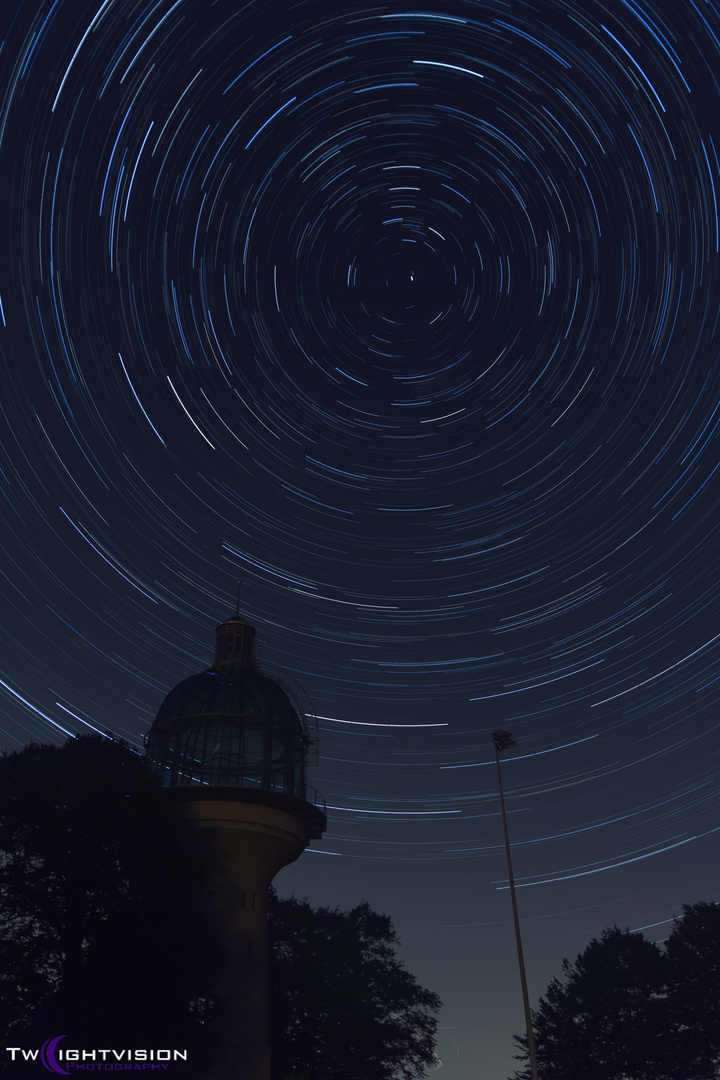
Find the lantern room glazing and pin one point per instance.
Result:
(231, 726)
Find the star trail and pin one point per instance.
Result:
(408, 317)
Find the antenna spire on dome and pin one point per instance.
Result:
(234, 639)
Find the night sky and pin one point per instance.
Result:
(407, 314)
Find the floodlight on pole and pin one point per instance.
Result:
(503, 740)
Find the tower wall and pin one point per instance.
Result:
(242, 846)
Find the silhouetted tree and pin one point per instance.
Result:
(99, 936)
(627, 1010)
(341, 1003)
(693, 990)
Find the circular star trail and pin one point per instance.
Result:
(408, 316)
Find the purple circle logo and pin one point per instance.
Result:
(47, 1056)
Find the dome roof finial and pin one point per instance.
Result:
(234, 640)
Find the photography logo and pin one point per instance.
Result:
(69, 1061)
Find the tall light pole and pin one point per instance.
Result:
(503, 740)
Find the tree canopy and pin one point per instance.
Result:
(98, 932)
(627, 1009)
(341, 1002)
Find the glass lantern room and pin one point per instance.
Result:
(231, 726)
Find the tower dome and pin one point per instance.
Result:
(231, 726)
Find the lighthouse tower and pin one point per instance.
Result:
(231, 743)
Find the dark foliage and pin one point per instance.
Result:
(99, 938)
(341, 1003)
(627, 1010)
(693, 990)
